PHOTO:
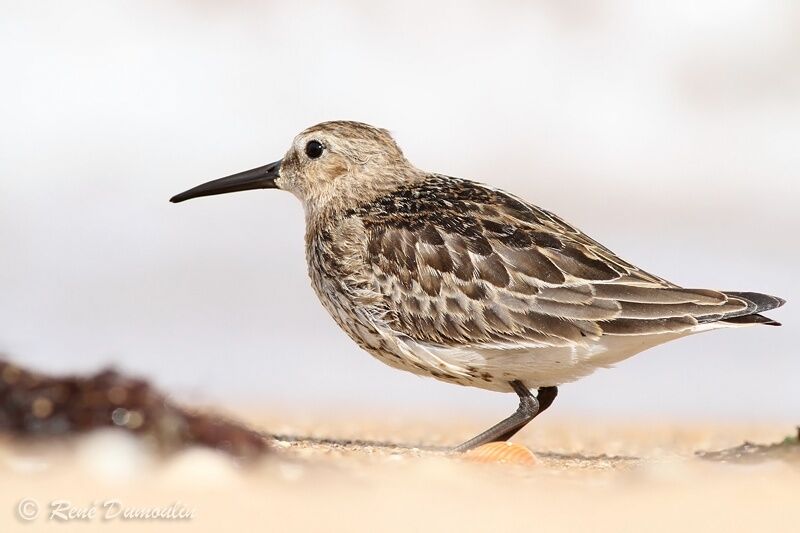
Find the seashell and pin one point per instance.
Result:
(501, 452)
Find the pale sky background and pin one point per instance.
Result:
(670, 131)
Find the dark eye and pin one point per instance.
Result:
(314, 149)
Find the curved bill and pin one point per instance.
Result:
(257, 178)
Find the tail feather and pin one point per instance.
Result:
(751, 319)
(756, 303)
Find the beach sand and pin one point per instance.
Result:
(589, 476)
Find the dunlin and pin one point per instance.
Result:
(449, 278)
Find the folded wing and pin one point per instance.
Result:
(460, 264)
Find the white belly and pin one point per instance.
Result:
(494, 368)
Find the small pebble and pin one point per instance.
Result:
(113, 455)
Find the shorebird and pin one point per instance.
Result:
(449, 278)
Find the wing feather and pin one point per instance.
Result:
(458, 264)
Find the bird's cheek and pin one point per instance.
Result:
(338, 169)
(334, 168)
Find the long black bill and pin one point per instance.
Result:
(257, 178)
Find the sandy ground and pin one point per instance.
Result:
(590, 476)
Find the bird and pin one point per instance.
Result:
(449, 278)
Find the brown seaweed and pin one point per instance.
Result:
(38, 406)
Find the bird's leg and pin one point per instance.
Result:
(546, 395)
(529, 407)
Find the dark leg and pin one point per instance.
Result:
(528, 408)
(546, 395)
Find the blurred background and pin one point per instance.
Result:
(667, 130)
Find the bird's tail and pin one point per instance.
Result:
(757, 303)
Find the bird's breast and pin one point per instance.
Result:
(338, 275)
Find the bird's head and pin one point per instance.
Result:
(329, 166)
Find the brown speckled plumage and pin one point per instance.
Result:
(450, 262)
(449, 278)
(412, 264)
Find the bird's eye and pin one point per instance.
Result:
(314, 149)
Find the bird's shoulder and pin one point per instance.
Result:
(444, 216)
